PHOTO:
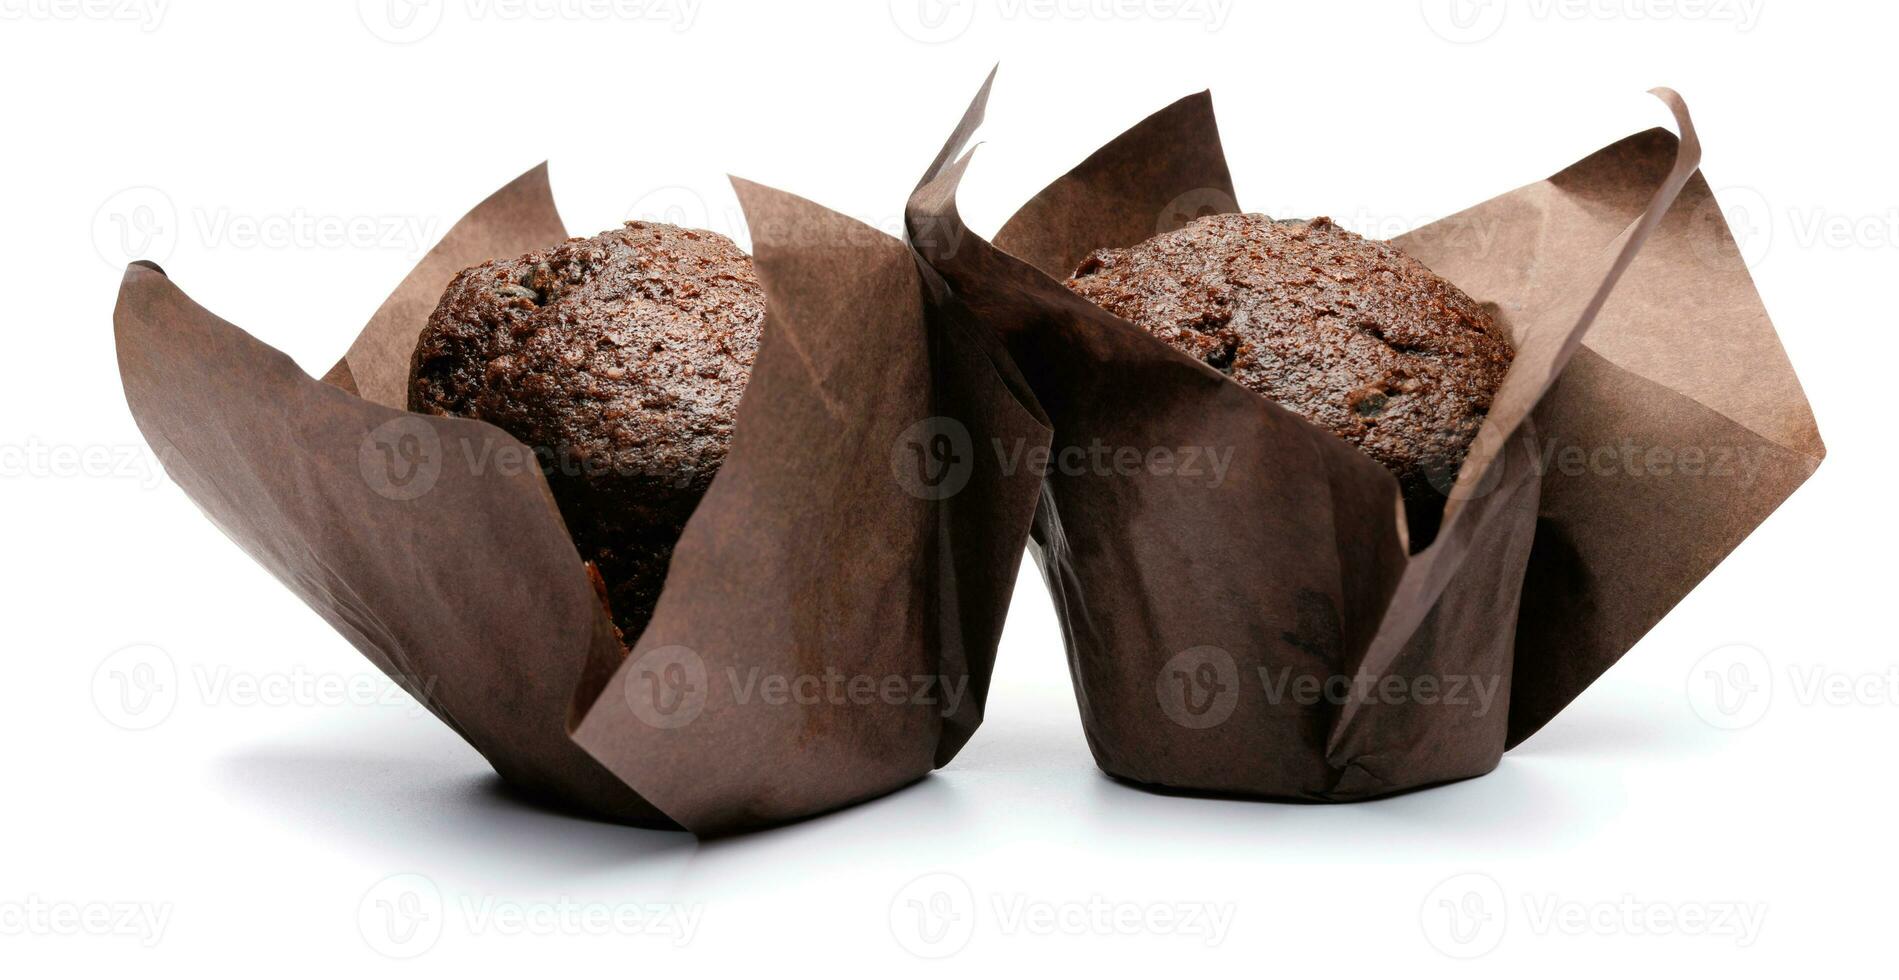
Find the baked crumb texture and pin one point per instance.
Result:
(1352, 334)
(620, 360)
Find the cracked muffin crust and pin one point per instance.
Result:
(620, 360)
(1354, 335)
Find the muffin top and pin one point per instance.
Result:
(622, 355)
(620, 360)
(1354, 335)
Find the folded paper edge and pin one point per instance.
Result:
(622, 805)
(1470, 502)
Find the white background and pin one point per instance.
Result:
(288, 165)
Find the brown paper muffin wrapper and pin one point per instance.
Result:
(1269, 629)
(830, 616)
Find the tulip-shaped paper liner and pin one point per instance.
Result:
(831, 613)
(1266, 627)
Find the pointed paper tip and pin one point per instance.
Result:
(1684, 123)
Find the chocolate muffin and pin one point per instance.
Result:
(1354, 335)
(620, 360)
